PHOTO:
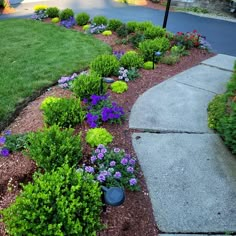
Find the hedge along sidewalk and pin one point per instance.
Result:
(34, 55)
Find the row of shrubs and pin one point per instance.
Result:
(222, 114)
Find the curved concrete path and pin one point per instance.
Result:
(220, 33)
(190, 174)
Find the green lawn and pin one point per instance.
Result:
(34, 55)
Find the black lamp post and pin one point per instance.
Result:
(166, 13)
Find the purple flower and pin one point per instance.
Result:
(112, 163)
(2, 140)
(100, 156)
(116, 150)
(132, 181)
(85, 100)
(103, 150)
(5, 152)
(130, 169)
(93, 159)
(101, 178)
(7, 132)
(89, 169)
(132, 162)
(128, 156)
(117, 175)
(97, 150)
(105, 173)
(124, 161)
(101, 146)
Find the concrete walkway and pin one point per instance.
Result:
(190, 174)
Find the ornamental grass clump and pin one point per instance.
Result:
(131, 59)
(105, 65)
(97, 136)
(102, 109)
(119, 87)
(62, 202)
(52, 147)
(64, 112)
(114, 168)
(87, 84)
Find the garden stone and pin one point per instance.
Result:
(108, 80)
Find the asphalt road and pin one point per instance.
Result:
(221, 34)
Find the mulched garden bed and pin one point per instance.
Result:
(135, 216)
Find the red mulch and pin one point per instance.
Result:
(135, 216)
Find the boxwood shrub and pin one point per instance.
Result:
(52, 12)
(131, 59)
(63, 202)
(52, 147)
(82, 18)
(66, 14)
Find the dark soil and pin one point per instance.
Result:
(135, 216)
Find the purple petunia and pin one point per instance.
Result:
(116, 150)
(132, 162)
(5, 152)
(101, 178)
(103, 150)
(2, 140)
(124, 161)
(7, 132)
(117, 175)
(112, 163)
(89, 169)
(101, 146)
(100, 156)
(132, 181)
(130, 169)
(93, 159)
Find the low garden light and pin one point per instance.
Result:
(154, 55)
(113, 196)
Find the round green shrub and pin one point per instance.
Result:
(64, 112)
(55, 20)
(114, 24)
(86, 27)
(97, 136)
(122, 31)
(105, 65)
(119, 86)
(142, 26)
(107, 33)
(100, 20)
(148, 65)
(87, 84)
(53, 147)
(131, 59)
(63, 202)
(82, 18)
(149, 46)
(154, 32)
(66, 14)
(52, 12)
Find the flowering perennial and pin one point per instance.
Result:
(69, 22)
(4, 152)
(113, 167)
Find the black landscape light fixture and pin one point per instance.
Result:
(154, 55)
(113, 196)
(166, 13)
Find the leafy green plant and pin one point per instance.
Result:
(82, 18)
(131, 26)
(55, 20)
(100, 20)
(122, 31)
(119, 86)
(66, 14)
(107, 33)
(131, 59)
(86, 27)
(64, 112)
(133, 74)
(136, 38)
(63, 202)
(154, 32)
(53, 147)
(170, 59)
(16, 142)
(149, 46)
(97, 136)
(87, 84)
(52, 12)
(105, 65)
(142, 26)
(114, 24)
(148, 65)
(179, 51)
(114, 167)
